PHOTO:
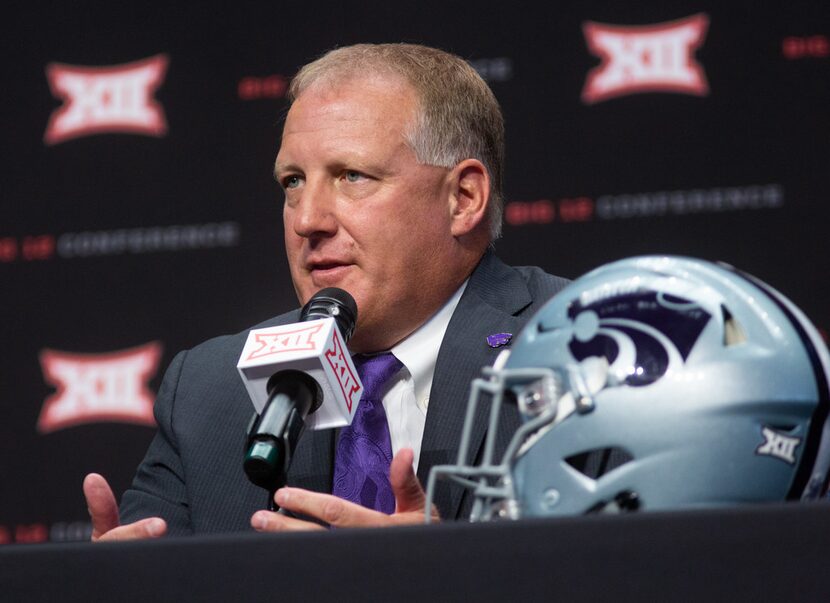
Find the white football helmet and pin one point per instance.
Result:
(653, 383)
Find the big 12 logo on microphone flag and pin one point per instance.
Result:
(118, 98)
(94, 388)
(650, 58)
(314, 347)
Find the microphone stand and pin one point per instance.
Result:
(273, 435)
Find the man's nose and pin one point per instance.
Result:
(314, 215)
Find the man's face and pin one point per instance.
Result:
(361, 213)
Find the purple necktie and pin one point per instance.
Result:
(364, 450)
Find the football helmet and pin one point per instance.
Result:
(652, 383)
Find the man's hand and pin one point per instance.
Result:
(410, 501)
(103, 510)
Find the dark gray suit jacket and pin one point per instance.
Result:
(192, 474)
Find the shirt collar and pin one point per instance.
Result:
(419, 351)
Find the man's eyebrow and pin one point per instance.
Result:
(283, 167)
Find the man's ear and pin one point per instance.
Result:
(470, 197)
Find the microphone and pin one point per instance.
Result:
(298, 375)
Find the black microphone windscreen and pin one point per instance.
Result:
(332, 302)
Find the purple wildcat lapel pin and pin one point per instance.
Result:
(497, 340)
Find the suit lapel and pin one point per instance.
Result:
(494, 295)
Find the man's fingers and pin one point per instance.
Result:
(152, 527)
(100, 501)
(267, 521)
(330, 509)
(409, 495)
(409, 499)
(103, 510)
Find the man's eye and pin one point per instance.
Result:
(353, 176)
(291, 182)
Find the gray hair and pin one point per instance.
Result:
(458, 115)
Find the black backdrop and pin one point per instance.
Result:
(114, 240)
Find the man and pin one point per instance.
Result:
(391, 163)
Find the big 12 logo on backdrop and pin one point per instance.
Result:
(118, 98)
(99, 387)
(650, 58)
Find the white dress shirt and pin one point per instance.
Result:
(406, 396)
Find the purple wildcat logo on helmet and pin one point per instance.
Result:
(641, 330)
